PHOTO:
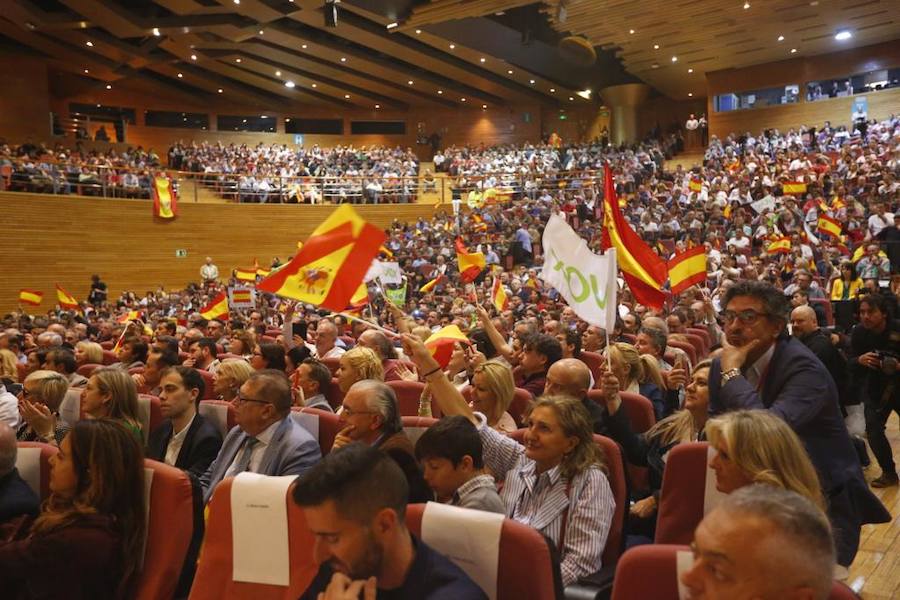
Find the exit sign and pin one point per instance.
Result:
(180, 253)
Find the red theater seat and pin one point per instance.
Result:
(33, 464)
(87, 369)
(219, 413)
(641, 417)
(150, 413)
(335, 396)
(323, 425)
(688, 349)
(333, 363)
(681, 498)
(593, 360)
(209, 382)
(109, 357)
(408, 394)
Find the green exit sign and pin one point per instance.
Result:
(563, 117)
(180, 253)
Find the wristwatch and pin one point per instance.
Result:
(729, 375)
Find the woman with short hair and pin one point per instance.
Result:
(88, 353)
(111, 394)
(229, 377)
(357, 364)
(42, 395)
(492, 393)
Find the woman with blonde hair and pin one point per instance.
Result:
(639, 374)
(88, 353)
(492, 392)
(111, 394)
(88, 539)
(755, 446)
(554, 482)
(357, 364)
(42, 395)
(229, 377)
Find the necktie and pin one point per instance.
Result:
(243, 462)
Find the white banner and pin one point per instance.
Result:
(391, 273)
(586, 280)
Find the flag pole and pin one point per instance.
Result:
(608, 355)
(383, 330)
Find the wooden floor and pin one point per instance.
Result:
(875, 574)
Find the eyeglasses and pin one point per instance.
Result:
(747, 317)
(242, 399)
(349, 412)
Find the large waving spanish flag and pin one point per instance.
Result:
(328, 269)
(643, 270)
(830, 226)
(165, 203)
(65, 299)
(32, 297)
(470, 263)
(216, 309)
(687, 269)
(780, 246)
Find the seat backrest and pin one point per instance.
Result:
(108, 344)
(333, 363)
(703, 333)
(219, 413)
(109, 357)
(70, 407)
(641, 417)
(615, 473)
(87, 369)
(335, 396)
(170, 526)
(525, 565)
(150, 413)
(593, 360)
(682, 499)
(699, 344)
(209, 383)
(22, 371)
(214, 578)
(408, 394)
(688, 349)
(648, 571)
(825, 303)
(33, 463)
(321, 424)
(416, 426)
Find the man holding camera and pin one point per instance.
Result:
(874, 349)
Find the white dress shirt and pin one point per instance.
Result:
(755, 373)
(175, 444)
(256, 455)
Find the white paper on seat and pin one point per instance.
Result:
(70, 407)
(711, 495)
(307, 421)
(470, 538)
(28, 462)
(684, 560)
(217, 414)
(260, 529)
(414, 433)
(144, 414)
(148, 488)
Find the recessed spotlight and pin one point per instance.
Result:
(674, 59)
(244, 121)
(86, 71)
(237, 60)
(277, 73)
(98, 106)
(193, 57)
(304, 46)
(418, 31)
(377, 106)
(440, 91)
(843, 35)
(237, 1)
(509, 72)
(780, 38)
(690, 70)
(347, 96)
(261, 32)
(462, 99)
(571, 99)
(631, 31)
(656, 46)
(552, 90)
(89, 44)
(690, 94)
(531, 81)
(452, 46)
(343, 59)
(263, 117)
(289, 84)
(410, 82)
(220, 90)
(108, 86)
(315, 85)
(392, 25)
(484, 106)
(586, 94)
(287, 120)
(746, 5)
(156, 31)
(793, 50)
(654, 66)
(482, 59)
(180, 76)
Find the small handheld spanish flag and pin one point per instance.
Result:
(829, 226)
(441, 343)
(431, 284)
(65, 299)
(31, 297)
(695, 185)
(687, 269)
(793, 188)
(216, 309)
(245, 274)
(131, 315)
(498, 296)
(780, 246)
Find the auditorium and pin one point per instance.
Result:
(450, 300)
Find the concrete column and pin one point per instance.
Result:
(623, 101)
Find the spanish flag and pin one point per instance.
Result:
(31, 297)
(643, 270)
(441, 343)
(384, 250)
(830, 226)
(243, 296)
(696, 185)
(727, 211)
(687, 269)
(498, 296)
(131, 315)
(328, 269)
(245, 274)
(470, 263)
(793, 188)
(838, 204)
(216, 309)
(360, 297)
(263, 272)
(431, 284)
(65, 299)
(780, 246)
(165, 202)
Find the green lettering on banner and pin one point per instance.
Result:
(568, 271)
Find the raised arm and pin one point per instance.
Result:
(443, 391)
(504, 349)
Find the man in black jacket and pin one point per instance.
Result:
(185, 439)
(16, 498)
(804, 327)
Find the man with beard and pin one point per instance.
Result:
(354, 502)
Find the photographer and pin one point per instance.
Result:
(874, 350)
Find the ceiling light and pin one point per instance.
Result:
(656, 46)
(440, 91)
(347, 96)
(180, 76)
(552, 90)
(690, 70)
(410, 82)
(315, 85)
(156, 31)
(418, 31)
(793, 50)
(462, 99)
(571, 99)
(98, 106)
(263, 117)
(377, 106)
(221, 90)
(30, 25)
(654, 66)
(244, 121)
(531, 81)
(86, 71)
(89, 43)
(277, 73)
(237, 1)
(484, 106)
(509, 72)
(482, 59)
(287, 120)
(746, 5)
(343, 59)
(303, 46)
(780, 38)
(237, 60)
(631, 31)
(452, 46)
(843, 35)
(586, 94)
(289, 84)
(690, 94)
(392, 25)
(108, 86)
(261, 32)
(193, 57)
(674, 59)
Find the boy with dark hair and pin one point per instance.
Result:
(450, 452)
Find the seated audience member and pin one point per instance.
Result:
(148, 382)
(762, 542)
(88, 539)
(762, 368)
(9, 407)
(354, 502)
(293, 357)
(42, 394)
(266, 440)
(638, 374)
(381, 345)
(132, 354)
(111, 394)
(229, 377)
(88, 353)
(650, 448)
(16, 496)
(450, 453)
(492, 392)
(571, 377)
(242, 343)
(593, 339)
(848, 284)
(35, 361)
(370, 415)
(559, 457)
(268, 356)
(63, 361)
(203, 355)
(165, 328)
(538, 353)
(570, 342)
(312, 384)
(357, 364)
(326, 338)
(185, 439)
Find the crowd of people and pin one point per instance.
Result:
(784, 360)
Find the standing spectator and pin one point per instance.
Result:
(209, 272)
(98, 293)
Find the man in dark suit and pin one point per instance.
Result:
(761, 368)
(266, 440)
(185, 439)
(16, 498)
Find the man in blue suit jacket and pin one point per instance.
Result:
(266, 440)
(761, 368)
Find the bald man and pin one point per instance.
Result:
(805, 327)
(571, 377)
(16, 498)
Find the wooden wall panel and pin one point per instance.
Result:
(24, 103)
(66, 239)
(837, 110)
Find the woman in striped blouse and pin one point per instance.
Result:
(555, 482)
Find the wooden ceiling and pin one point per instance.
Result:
(247, 50)
(710, 35)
